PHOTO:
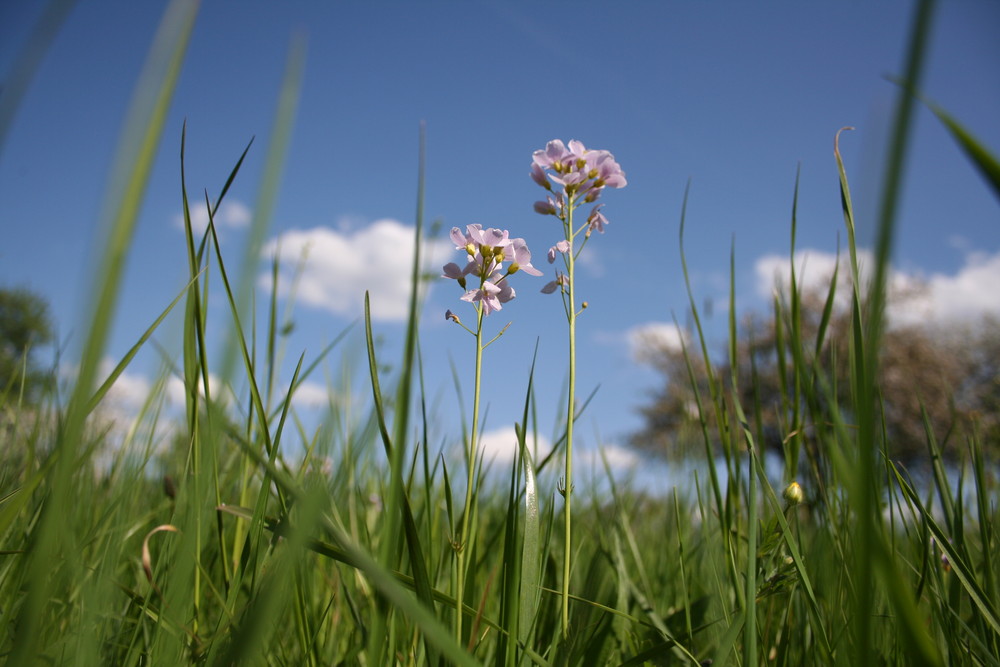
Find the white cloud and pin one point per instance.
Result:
(177, 393)
(813, 272)
(500, 445)
(965, 296)
(934, 300)
(620, 459)
(311, 395)
(120, 414)
(650, 338)
(340, 265)
(129, 391)
(232, 214)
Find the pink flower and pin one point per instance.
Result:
(561, 280)
(487, 250)
(577, 169)
(562, 246)
(538, 175)
(545, 207)
(487, 294)
(553, 156)
(492, 237)
(459, 239)
(609, 172)
(551, 206)
(491, 295)
(506, 292)
(452, 270)
(596, 220)
(520, 258)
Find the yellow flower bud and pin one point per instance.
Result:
(793, 494)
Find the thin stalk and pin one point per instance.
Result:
(462, 546)
(570, 414)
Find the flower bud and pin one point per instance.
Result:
(793, 494)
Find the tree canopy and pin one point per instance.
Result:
(24, 327)
(787, 384)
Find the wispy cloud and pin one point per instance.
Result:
(339, 265)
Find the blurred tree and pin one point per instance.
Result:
(953, 375)
(24, 327)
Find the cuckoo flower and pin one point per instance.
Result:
(551, 205)
(492, 293)
(554, 156)
(596, 220)
(581, 174)
(492, 257)
(538, 175)
(575, 175)
(519, 256)
(560, 281)
(486, 251)
(577, 169)
(561, 246)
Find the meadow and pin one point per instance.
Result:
(241, 537)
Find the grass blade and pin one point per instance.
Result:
(133, 163)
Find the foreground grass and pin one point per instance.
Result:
(220, 548)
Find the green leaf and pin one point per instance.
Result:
(987, 163)
(530, 552)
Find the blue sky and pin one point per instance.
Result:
(731, 96)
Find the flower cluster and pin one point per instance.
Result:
(487, 251)
(582, 173)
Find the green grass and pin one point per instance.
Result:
(252, 556)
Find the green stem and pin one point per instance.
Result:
(570, 414)
(463, 543)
